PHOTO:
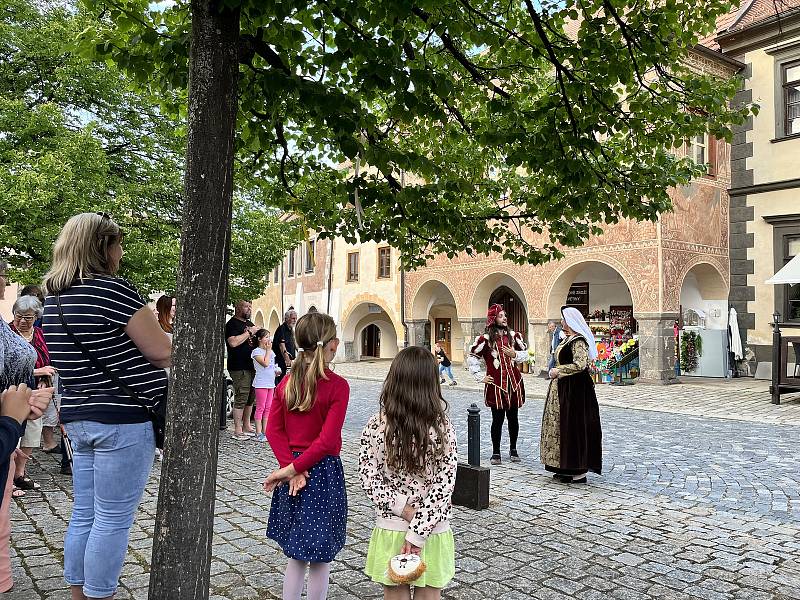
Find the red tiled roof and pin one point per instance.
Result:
(746, 13)
(723, 22)
(743, 14)
(759, 10)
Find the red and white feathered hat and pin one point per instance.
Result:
(491, 316)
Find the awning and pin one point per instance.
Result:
(788, 274)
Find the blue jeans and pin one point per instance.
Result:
(110, 467)
(448, 369)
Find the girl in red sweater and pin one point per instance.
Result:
(308, 516)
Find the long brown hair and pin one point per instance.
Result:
(412, 403)
(164, 310)
(312, 332)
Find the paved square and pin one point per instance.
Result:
(687, 507)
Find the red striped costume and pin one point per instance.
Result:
(508, 389)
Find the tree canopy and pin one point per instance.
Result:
(480, 125)
(79, 135)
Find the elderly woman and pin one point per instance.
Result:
(571, 443)
(26, 310)
(17, 359)
(110, 354)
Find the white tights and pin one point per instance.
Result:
(318, 576)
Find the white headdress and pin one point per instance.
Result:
(575, 321)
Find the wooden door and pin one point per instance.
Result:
(443, 329)
(371, 341)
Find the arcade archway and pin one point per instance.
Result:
(369, 332)
(435, 319)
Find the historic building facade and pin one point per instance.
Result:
(358, 284)
(650, 273)
(765, 188)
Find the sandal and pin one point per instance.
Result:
(17, 493)
(24, 482)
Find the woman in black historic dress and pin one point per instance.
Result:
(571, 443)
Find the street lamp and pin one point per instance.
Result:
(775, 389)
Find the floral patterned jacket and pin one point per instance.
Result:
(429, 493)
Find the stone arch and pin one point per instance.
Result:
(347, 324)
(704, 289)
(258, 320)
(429, 294)
(711, 281)
(388, 337)
(562, 279)
(488, 285)
(359, 315)
(436, 315)
(274, 321)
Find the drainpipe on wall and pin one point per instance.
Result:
(330, 275)
(283, 310)
(403, 283)
(403, 305)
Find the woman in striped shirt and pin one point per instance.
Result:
(112, 437)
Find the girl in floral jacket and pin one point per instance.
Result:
(408, 463)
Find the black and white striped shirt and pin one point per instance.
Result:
(97, 311)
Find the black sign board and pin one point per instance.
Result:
(578, 296)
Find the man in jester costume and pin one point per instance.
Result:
(502, 349)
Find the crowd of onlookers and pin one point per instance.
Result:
(88, 357)
(83, 360)
(89, 335)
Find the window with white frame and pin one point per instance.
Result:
(698, 149)
(310, 252)
(790, 82)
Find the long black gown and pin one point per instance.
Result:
(571, 441)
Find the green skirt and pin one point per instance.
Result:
(438, 554)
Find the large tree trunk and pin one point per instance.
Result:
(185, 521)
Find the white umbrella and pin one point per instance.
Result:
(736, 339)
(790, 273)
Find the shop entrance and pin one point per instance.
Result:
(435, 304)
(703, 337)
(371, 341)
(513, 307)
(602, 295)
(443, 328)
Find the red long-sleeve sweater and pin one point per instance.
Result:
(316, 433)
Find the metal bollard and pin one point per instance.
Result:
(472, 480)
(474, 435)
(223, 414)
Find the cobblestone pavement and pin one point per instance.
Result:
(743, 399)
(687, 507)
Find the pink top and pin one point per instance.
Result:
(316, 433)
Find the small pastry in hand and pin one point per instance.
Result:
(405, 568)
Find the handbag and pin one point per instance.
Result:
(157, 415)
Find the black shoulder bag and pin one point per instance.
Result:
(156, 415)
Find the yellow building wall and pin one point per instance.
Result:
(267, 308)
(771, 161)
(781, 202)
(349, 299)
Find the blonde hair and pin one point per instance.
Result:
(312, 332)
(81, 250)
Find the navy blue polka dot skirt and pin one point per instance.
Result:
(312, 525)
